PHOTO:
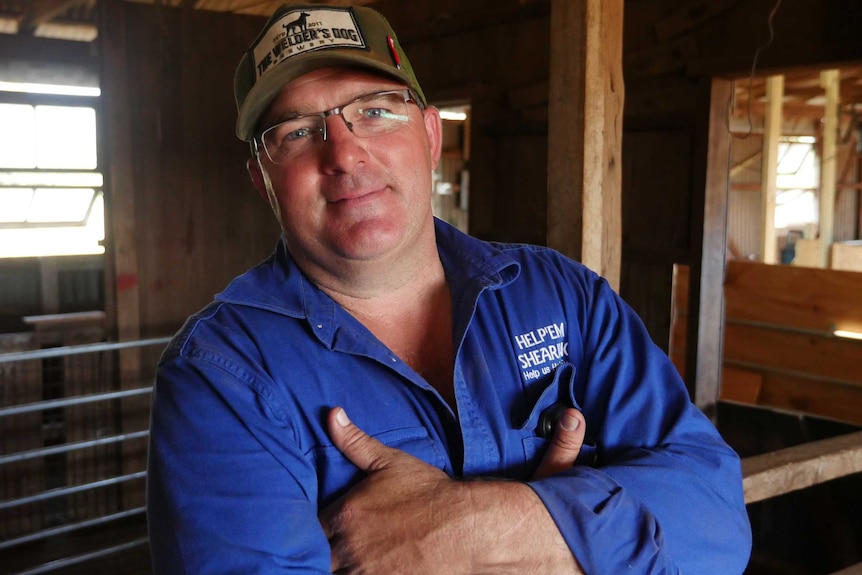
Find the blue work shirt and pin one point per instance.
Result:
(240, 461)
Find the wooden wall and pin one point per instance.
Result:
(496, 56)
(184, 216)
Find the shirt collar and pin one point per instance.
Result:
(278, 285)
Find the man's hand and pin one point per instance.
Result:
(409, 517)
(565, 446)
(405, 517)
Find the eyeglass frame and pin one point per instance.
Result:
(408, 94)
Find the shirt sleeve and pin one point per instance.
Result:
(228, 491)
(665, 495)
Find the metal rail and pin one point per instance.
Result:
(79, 349)
(61, 491)
(70, 527)
(69, 401)
(73, 383)
(69, 561)
(69, 447)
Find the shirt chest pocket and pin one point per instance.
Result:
(336, 474)
(538, 429)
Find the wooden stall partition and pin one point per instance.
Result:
(779, 347)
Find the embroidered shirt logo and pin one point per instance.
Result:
(541, 350)
(301, 31)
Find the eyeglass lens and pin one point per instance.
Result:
(368, 116)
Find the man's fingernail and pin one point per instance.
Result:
(569, 422)
(341, 418)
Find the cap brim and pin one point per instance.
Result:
(264, 91)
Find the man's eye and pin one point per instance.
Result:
(374, 113)
(297, 134)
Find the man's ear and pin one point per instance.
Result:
(434, 129)
(254, 171)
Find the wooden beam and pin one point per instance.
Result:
(769, 170)
(585, 108)
(831, 82)
(41, 11)
(705, 324)
(467, 18)
(744, 163)
(690, 16)
(28, 48)
(121, 235)
(773, 474)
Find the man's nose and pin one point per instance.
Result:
(342, 148)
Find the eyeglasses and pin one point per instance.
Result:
(367, 116)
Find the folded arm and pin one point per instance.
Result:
(408, 513)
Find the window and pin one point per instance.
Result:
(50, 188)
(797, 183)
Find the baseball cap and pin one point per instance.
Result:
(300, 38)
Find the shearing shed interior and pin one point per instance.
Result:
(705, 156)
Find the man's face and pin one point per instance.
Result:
(351, 198)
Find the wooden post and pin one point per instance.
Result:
(830, 81)
(121, 234)
(120, 185)
(769, 169)
(585, 110)
(705, 329)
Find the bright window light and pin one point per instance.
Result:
(57, 241)
(60, 205)
(847, 334)
(49, 89)
(795, 208)
(797, 179)
(44, 178)
(50, 192)
(65, 137)
(797, 166)
(456, 116)
(17, 138)
(16, 204)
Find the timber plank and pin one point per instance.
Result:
(791, 296)
(808, 353)
(815, 396)
(742, 385)
(794, 468)
(847, 256)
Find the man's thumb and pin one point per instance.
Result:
(361, 449)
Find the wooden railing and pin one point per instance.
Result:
(780, 348)
(794, 468)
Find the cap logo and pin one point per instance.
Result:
(305, 30)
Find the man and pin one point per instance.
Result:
(387, 395)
